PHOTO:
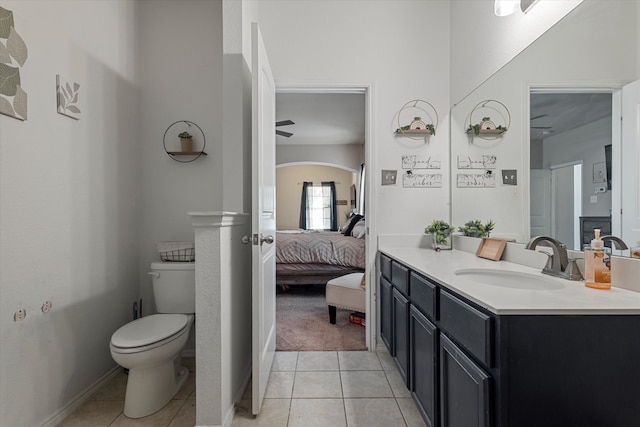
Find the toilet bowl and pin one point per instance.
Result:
(151, 346)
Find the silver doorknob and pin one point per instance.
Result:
(266, 239)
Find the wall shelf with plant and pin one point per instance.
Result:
(424, 123)
(487, 128)
(186, 143)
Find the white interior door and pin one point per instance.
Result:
(562, 214)
(263, 216)
(630, 184)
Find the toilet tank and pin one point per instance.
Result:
(174, 286)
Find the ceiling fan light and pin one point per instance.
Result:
(505, 7)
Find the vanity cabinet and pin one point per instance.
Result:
(468, 366)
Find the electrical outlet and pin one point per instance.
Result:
(20, 314)
(46, 306)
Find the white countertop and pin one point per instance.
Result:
(572, 298)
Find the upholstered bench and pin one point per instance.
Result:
(345, 292)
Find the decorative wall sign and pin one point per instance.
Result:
(483, 161)
(67, 97)
(421, 180)
(599, 172)
(417, 161)
(477, 180)
(13, 55)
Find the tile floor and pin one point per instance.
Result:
(311, 388)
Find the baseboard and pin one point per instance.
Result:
(62, 413)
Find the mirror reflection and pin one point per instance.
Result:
(558, 168)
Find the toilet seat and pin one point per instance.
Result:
(149, 332)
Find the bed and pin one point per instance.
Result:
(313, 258)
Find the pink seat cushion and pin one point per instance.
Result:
(345, 292)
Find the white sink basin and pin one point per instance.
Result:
(509, 279)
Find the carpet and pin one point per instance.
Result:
(302, 323)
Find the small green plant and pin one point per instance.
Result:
(477, 127)
(185, 135)
(475, 228)
(440, 229)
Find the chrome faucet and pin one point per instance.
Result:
(617, 242)
(558, 264)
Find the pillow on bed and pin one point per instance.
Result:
(359, 230)
(363, 282)
(354, 220)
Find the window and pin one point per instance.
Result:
(318, 206)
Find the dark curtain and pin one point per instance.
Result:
(304, 205)
(332, 204)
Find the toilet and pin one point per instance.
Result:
(151, 346)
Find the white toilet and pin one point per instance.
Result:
(151, 346)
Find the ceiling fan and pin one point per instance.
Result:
(539, 127)
(284, 123)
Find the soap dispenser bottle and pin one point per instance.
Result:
(635, 251)
(597, 264)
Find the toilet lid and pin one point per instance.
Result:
(148, 330)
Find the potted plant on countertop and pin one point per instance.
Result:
(475, 228)
(186, 142)
(440, 232)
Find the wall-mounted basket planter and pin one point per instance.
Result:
(487, 128)
(418, 128)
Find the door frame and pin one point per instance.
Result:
(615, 89)
(368, 90)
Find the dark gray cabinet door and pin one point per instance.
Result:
(400, 327)
(423, 341)
(385, 313)
(464, 389)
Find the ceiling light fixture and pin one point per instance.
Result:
(505, 7)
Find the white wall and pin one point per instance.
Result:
(481, 42)
(402, 49)
(70, 206)
(181, 61)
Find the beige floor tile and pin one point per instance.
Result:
(365, 384)
(317, 385)
(186, 416)
(373, 413)
(397, 384)
(359, 361)
(410, 412)
(274, 413)
(318, 361)
(114, 389)
(285, 361)
(94, 413)
(317, 413)
(280, 385)
(161, 418)
(386, 360)
(188, 387)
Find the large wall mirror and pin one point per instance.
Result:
(559, 164)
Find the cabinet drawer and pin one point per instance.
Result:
(469, 327)
(385, 266)
(400, 277)
(423, 295)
